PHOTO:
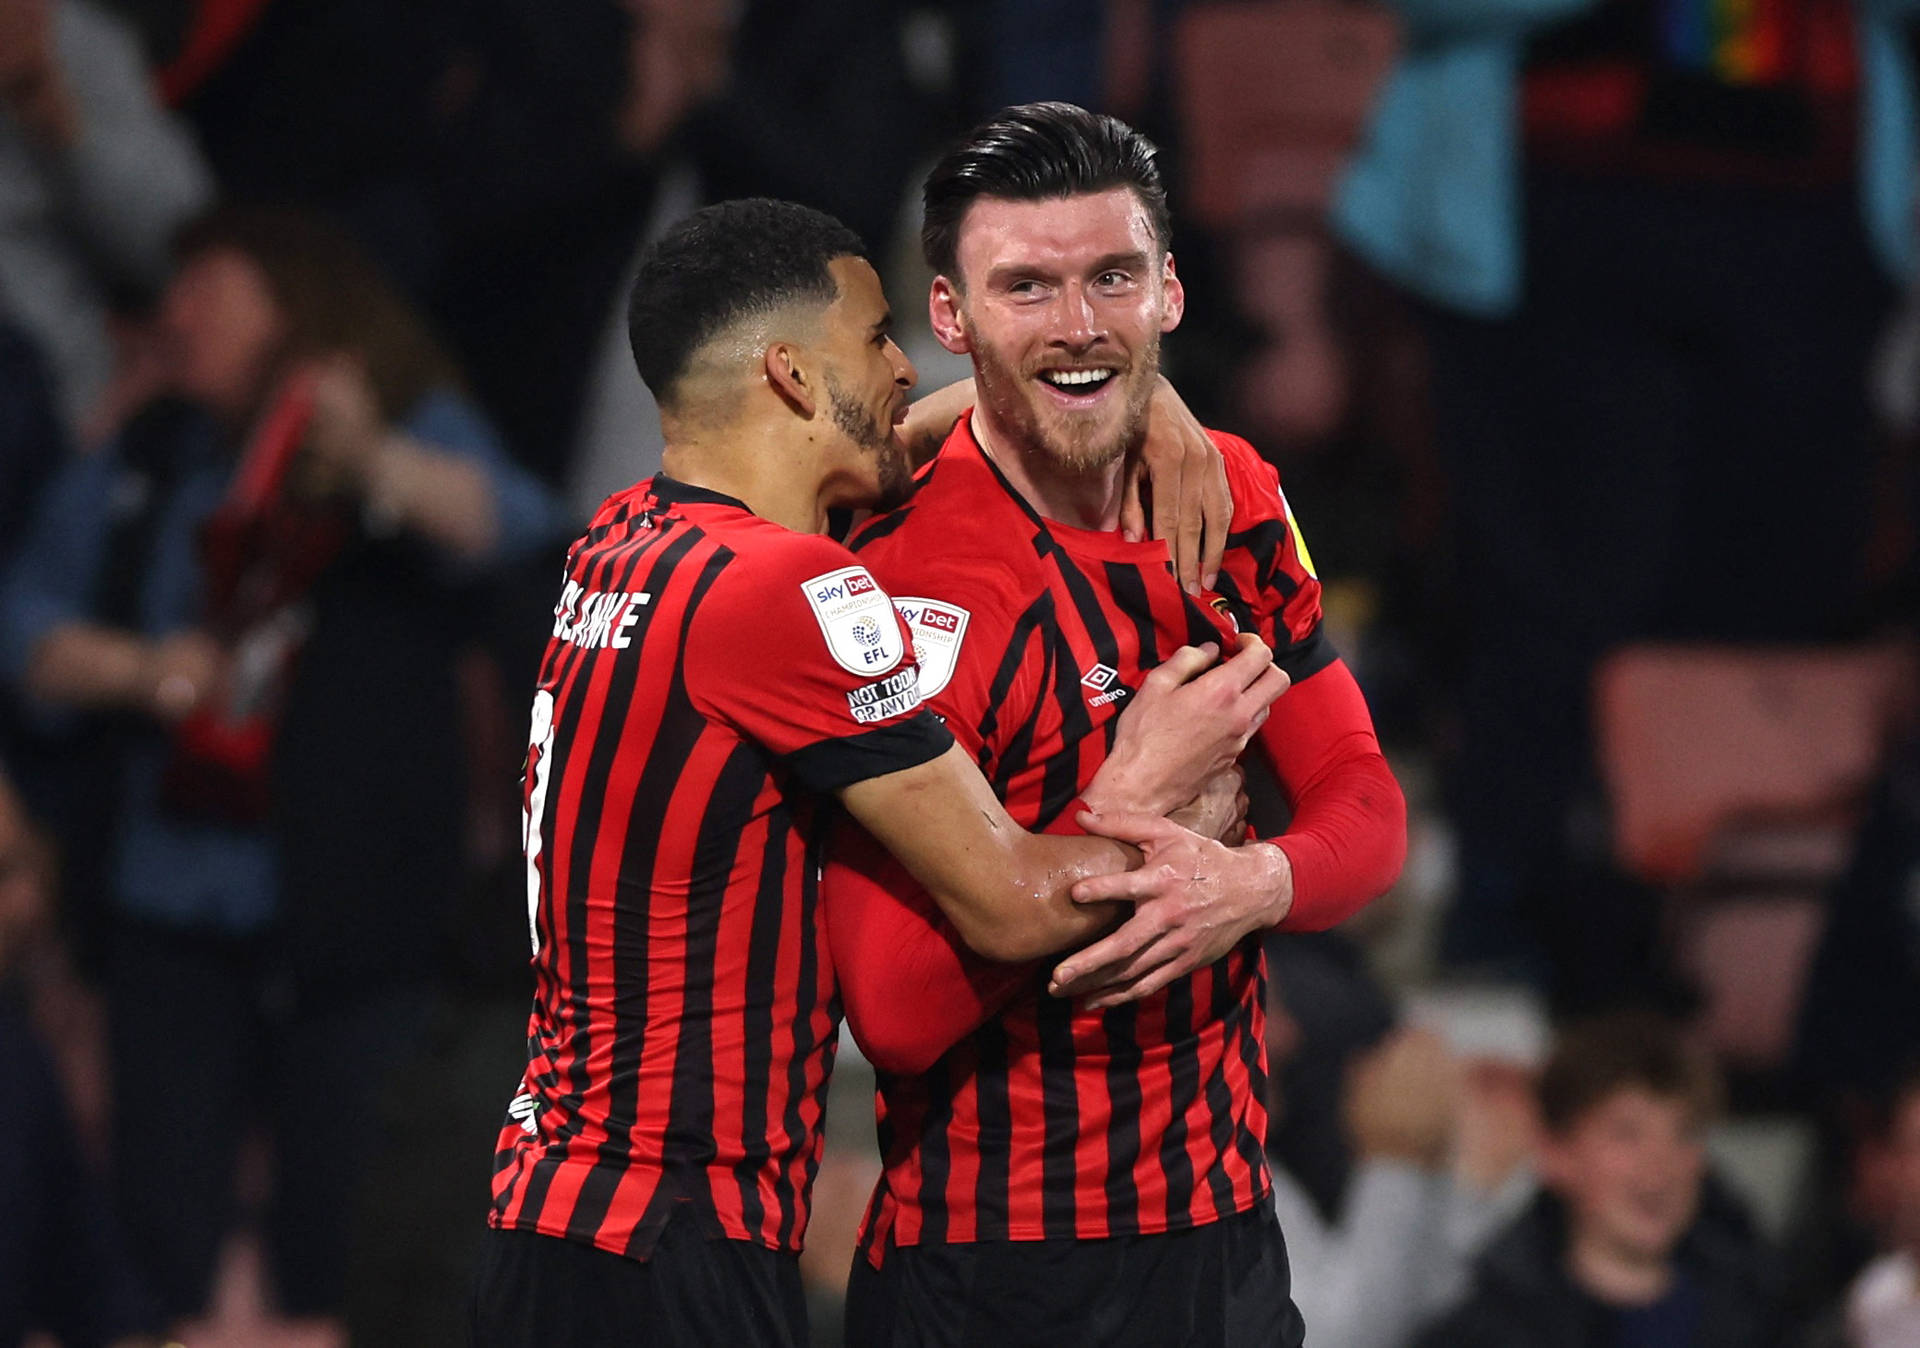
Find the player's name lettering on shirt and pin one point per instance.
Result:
(595, 620)
(890, 697)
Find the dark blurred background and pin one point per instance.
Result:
(1581, 332)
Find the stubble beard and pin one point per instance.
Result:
(894, 473)
(1075, 446)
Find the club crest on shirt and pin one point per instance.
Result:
(938, 629)
(857, 620)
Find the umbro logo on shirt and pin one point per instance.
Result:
(1101, 679)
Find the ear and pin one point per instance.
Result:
(787, 375)
(943, 311)
(1176, 294)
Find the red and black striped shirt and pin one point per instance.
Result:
(707, 670)
(1051, 1121)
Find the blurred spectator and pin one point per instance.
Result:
(286, 912)
(32, 441)
(64, 1266)
(1883, 1305)
(1406, 1231)
(94, 178)
(1622, 221)
(498, 158)
(1626, 1244)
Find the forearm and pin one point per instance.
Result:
(85, 666)
(443, 497)
(1348, 837)
(931, 418)
(1028, 912)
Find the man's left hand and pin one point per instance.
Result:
(1196, 900)
(1192, 507)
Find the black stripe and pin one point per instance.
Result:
(1129, 590)
(1011, 759)
(1059, 1177)
(828, 765)
(1248, 1028)
(763, 960)
(802, 1014)
(1183, 1089)
(1220, 1100)
(1123, 1124)
(1265, 543)
(878, 528)
(689, 1145)
(993, 1106)
(936, 1156)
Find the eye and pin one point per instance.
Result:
(1024, 289)
(1113, 280)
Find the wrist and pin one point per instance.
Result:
(386, 484)
(1272, 878)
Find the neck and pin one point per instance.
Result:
(1615, 1276)
(1088, 499)
(772, 480)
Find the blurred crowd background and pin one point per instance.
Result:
(1581, 332)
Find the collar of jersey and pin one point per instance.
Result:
(672, 491)
(1104, 544)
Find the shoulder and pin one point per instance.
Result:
(1253, 481)
(958, 533)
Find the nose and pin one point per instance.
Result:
(1078, 325)
(903, 372)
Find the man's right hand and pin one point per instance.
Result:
(1185, 727)
(1219, 812)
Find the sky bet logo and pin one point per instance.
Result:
(851, 588)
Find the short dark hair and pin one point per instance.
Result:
(721, 264)
(1595, 1058)
(1035, 152)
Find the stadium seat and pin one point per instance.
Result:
(1272, 95)
(1735, 778)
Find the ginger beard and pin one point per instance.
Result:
(1080, 441)
(874, 438)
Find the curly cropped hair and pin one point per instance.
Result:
(721, 264)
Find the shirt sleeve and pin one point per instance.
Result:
(799, 650)
(910, 986)
(48, 582)
(1268, 569)
(1348, 836)
(527, 514)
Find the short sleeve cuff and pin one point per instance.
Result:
(829, 765)
(1307, 656)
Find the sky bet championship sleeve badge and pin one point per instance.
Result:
(857, 619)
(937, 630)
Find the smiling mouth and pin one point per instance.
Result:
(1078, 383)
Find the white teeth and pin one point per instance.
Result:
(1076, 378)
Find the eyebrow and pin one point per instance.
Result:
(1006, 273)
(882, 324)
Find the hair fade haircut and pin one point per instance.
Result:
(1598, 1057)
(1036, 152)
(721, 264)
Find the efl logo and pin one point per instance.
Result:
(1099, 677)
